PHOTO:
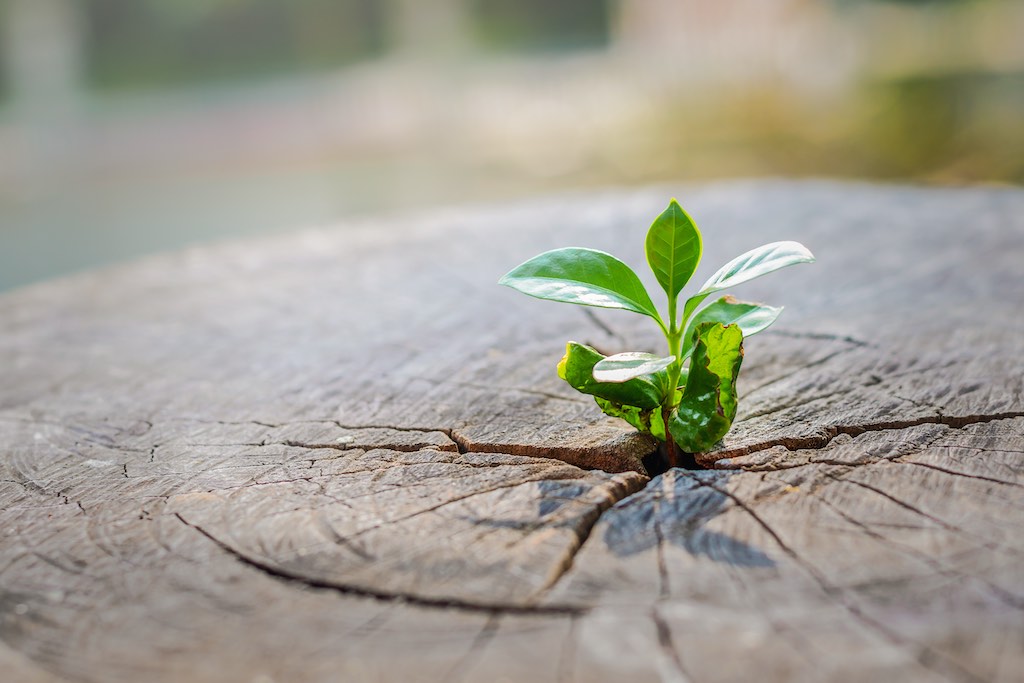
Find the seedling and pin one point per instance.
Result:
(686, 399)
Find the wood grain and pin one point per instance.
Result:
(343, 455)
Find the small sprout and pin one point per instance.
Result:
(686, 398)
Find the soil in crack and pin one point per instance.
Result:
(657, 461)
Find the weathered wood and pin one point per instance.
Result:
(345, 456)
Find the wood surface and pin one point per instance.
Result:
(344, 455)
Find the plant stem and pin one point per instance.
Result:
(674, 338)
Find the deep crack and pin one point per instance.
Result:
(820, 441)
(386, 596)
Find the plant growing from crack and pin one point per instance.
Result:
(686, 399)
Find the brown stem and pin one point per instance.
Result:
(671, 452)
(673, 456)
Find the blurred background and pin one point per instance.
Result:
(131, 126)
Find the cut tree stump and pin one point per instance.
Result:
(345, 456)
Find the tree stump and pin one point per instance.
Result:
(345, 456)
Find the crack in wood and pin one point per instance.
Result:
(675, 672)
(408, 598)
(818, 442)
(616, 495)
(1006, 597)
(618, 490)
(979, 477)
(781, 466)
(460, 442)
(597, 457)
(397, 447)
(985, 543)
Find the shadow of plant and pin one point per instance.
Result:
(675, 508)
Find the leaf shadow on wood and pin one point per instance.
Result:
(675, 510)
(671, 509)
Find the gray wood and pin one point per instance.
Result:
(344, 456)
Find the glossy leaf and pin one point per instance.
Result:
(755, 263)
(582, 276)
(650, 421)
(749, 317)
(625, 366)
(577, 368)
(673, 248)
(708, 405)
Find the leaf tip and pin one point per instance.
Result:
(807, 255)
(561, 368)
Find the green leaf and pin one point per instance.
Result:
(582, 276)
(625, 366)
(648, 421)
(708, 405)
(577, 368)
(673, 248)
(755, 263)
(750, 318)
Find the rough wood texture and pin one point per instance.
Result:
(344, 456)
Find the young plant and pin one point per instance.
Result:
(686, 398)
